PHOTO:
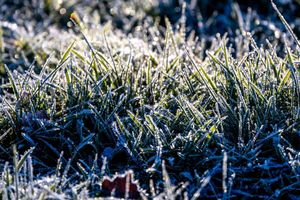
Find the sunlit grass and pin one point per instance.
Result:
(190, 120)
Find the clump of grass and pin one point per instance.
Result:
(158, 102)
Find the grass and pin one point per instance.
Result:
(191, 117)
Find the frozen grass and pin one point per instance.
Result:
(191, 117)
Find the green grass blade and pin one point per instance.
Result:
(23, 158)
(67, 52)
(285, 23)
(284, 81)
(12, 82)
